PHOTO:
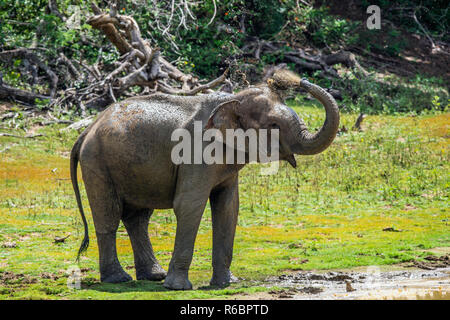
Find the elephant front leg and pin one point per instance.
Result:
(225, 208)
(188, 211)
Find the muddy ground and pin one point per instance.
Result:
(428, 280)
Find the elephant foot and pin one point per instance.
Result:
(154, 273)
(117, 277)
(223, 279)
(177, 281)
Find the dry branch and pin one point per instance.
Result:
(8, 92)
(60, 239)
(303, 61)
(17, 136)
(80, 124)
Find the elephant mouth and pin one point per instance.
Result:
(291, 159)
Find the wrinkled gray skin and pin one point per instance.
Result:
(125, 159)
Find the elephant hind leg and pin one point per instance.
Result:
(136, 223)
(106, 212)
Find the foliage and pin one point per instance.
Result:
(432, 14)
(318, 26)
(28, 23)
(391, 94)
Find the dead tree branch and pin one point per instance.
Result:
(8, 92)
(140, 64)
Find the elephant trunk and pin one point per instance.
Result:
(308, 143)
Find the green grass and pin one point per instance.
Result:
(327, 213)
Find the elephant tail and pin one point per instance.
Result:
(74, 157)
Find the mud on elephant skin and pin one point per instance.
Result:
(125, 159)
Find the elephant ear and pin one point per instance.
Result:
(224, 116)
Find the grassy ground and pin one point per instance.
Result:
(328, 213)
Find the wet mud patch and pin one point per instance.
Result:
(11, 278)
(370, 284)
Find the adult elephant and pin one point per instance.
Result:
(125, 158)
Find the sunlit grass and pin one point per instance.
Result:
(327, 213)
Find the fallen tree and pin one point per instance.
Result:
(33, 63)
(304, 62)
(141, 66)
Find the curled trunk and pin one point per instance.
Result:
(312, 143)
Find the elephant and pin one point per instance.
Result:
(128, 172)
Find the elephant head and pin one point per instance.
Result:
(263, 107)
